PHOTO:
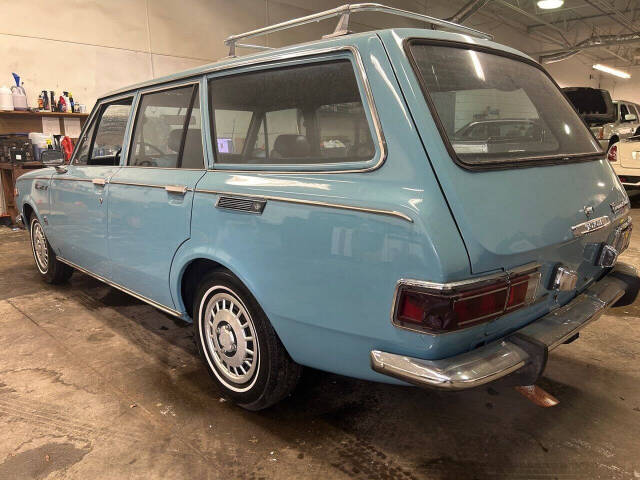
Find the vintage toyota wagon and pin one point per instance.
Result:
(327, 205)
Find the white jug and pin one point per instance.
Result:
(6, 99)
(19, 97)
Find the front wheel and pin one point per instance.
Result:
(239, 347)
(51, 269)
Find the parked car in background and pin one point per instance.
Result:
(594, 105)
(609, 120)
(626, 124)
(624, 157)
(500, 136)
(321, 205)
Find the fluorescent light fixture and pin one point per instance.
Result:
(550, 4)
(612, 71)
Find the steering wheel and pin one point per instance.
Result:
(153, 147)
(149, 163)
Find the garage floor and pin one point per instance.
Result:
(95, 384)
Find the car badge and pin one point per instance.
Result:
(588, 210)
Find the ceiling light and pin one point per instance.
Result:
(612, 71)
(549, 4)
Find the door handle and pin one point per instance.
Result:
(179, 189)
(99, 181)
(61, 168)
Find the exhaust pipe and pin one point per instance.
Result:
(537, 395)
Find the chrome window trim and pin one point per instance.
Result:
(331, 168)
(339, 206)
(444, 287)
(203, 76)
(153, 303)
(91, 118)
(135, 109)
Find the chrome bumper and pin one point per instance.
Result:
(525, 349)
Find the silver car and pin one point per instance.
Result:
(626, 124)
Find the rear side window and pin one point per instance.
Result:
(308, 114)
(103, 142)
(496, 109)
(167, 131)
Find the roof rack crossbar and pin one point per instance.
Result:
(342, 28)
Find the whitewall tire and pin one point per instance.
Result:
(238, 345)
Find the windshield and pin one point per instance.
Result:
(495, 109)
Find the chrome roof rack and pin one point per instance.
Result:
(342, 28)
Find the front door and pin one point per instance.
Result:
(79, 191)
(151, 196)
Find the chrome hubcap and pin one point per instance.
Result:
(231, 337)
(40, 249)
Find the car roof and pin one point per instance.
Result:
(311, 47)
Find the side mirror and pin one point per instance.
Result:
(630, 117)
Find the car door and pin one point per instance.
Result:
(79, 191)
(633, 108)
(151, 196)
(628, 120)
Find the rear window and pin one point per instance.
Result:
(495, 109)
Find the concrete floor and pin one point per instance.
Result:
(95, 384)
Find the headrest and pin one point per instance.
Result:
(292, 145)
(175, 137)
(194, 137)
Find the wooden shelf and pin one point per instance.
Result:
(42, 114)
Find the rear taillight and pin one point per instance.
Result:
(601, 133)
(436, 308)
(612, 154)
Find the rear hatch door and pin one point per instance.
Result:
(519, 204)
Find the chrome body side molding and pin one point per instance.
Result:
(505, 356)
(153, 303)
(339, 206)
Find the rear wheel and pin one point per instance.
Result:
(51, 269)
(241, 350)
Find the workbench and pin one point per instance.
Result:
(9, 172)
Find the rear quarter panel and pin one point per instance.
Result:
(326, 277)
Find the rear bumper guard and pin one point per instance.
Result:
(522, 353)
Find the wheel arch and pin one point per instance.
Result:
(188, 269)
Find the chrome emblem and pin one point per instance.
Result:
(590, 226)
(588, 210)
(620, 207)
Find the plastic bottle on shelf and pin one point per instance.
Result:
(6, 99)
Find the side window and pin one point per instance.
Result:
(623, 112)
(232, 128)
(344, 131)
(307, 114)
(167, 131)
(82, 150)
(108, 134)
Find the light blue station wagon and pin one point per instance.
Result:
(404, 206)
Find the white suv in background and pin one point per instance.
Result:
(627, 124)
(625, 160)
